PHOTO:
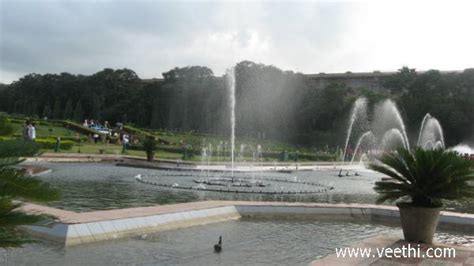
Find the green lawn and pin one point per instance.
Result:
(90, 148)
(51, 129)
(44, 131)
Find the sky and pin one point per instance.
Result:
(151, 37)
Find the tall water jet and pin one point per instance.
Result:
(422, 127)
(390, 135)
(359, 108)
(367, 135)
(431, 130)
(231, 86)
(388, 115)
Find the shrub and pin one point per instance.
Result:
(51, 144)
(425, 177)
(149, 144)
(5, 127)
(18, 148)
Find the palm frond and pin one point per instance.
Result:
(425, 176)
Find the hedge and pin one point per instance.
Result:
(51, 144)
(136, 131)
(18, 148)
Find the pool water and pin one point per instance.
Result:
(245, 242)
(92, 186)
(102, 186)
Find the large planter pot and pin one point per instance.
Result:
(150, 156)
(418, 223)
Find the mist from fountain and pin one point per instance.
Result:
(203, 159)
(463, 149)
(359, 109)
(209, 157)
(389, 137)
(362, 159)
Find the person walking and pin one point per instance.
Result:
(32, 132)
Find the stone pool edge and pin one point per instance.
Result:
(72, 228)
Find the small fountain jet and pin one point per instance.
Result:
(218, 246)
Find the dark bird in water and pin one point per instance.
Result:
(340, 175)
(357, 174)
(347, 173)
(218, 246)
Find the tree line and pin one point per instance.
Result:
(270, 102)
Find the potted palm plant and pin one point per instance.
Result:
(419, 181)
(150, 145)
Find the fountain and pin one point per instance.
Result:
(387, 117)
(431, 133)
(367, 135)
(231, 85)
(387, 130)
(389, 137)
(359, 109)
(463, 149)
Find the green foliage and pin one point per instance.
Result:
(150, 144)
(17, 148)
(286, 106)
(78, 112)
(137, 131)
(68, 112)
(57, 110)
(47, 112)
(15, 185)
(51, 144)
(426, 177)
(5, 126)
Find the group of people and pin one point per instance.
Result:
(92, 123)
(29, 131)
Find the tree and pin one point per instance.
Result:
(68, 112)
(155, 115)
(47, 111)
(95, 108)
(57, 111)
(78, 112)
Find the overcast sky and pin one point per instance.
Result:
(150, 37)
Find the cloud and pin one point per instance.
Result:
(154, 36)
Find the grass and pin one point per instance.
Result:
(45, 131)
(177, 139)
(90, 148)
(113, 149)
